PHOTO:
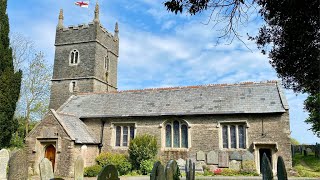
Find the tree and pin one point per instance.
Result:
(10, 81)
(290, 36)
(312, 105)
(34, 97)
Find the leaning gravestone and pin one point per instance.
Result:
(78, 168)
(172, 171)
(212, 157)
(157, 172)
(223, 159)
(4, 159)
(201, 156)
(18, 166)
(108, 173)
(236, 156)
(46, 171)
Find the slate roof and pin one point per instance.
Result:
(75, 128)
(249, 97)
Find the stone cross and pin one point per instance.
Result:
(46, 171)
(4, 159)
(18, 165)
(109, 172)
(78, 168)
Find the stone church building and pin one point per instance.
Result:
(88, 115)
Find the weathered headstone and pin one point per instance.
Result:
(4, 159)
(281, 169)
(309, 150)
(190, 170)
(172, 171)
(181, 163)
(109, 172)
(199, 166)
(223, 159)
(46, 171)
(266, 168)
(247, 156)
(200, 156)
(212, 157)
(18, 166)
(236, 156)
(157, 172)
(78, 168)
(235, 165)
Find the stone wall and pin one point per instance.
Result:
(205, 134)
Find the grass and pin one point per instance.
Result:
(306, 166)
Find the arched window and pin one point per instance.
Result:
(176, 134)
(74, 57)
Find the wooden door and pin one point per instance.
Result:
(51, 154)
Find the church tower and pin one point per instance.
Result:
(86, 59)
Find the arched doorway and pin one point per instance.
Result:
(51, 154)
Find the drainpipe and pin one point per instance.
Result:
(101, 135)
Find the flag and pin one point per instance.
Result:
(84, 4)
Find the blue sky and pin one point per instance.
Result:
(160, 49)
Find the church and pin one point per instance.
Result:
(89, 115)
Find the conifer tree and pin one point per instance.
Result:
(9, 81)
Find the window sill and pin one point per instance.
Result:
(120, 147)
(176, 149)
(233, 149)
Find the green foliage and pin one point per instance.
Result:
(92, 171)
(9, 80)
(134, 173)
(312, 105)
(17, 140)
(207, 172)
(306, 166)
(229, 172)
(294, 141)
(120, 161)
(142, 147)
(146, 166)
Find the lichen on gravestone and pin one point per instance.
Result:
(46, 171)
(4, 159)
(18, 165)
(281, 169)
(157, 172)
(212, 157)
(172, 171)
(79, 168)
(109, 172)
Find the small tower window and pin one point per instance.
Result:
(74, 57)
(107, 66)
(73, 86)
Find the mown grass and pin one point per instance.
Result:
(306, 166)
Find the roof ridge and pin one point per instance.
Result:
(183, 87)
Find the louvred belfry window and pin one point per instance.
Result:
(74, 57)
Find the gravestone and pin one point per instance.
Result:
(199, 166)
(212, 157)
(18, 166)
(78, 168)
(157, 172)
(309, 150)
(4, 159)
(236, 156)
(172, 171)
(181, 163)
(266, 169)
(200, 156)
(190, 170)
(235, 165)
(109, 172)
(247, 156)
(281, 169)
(46, 171)
(248, 163)
(223, 159)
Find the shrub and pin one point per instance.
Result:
(142, 147)
(92, 171)
(229, 172)
(146, 166)
(120, 161)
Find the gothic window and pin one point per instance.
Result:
(233, 136)
(107, 66)
(73, 86)
(123, 135)
(176, 134)
(74, 57)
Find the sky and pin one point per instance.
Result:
(161, 49)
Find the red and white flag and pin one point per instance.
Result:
(84, 4)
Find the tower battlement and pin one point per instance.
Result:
(86, 59)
